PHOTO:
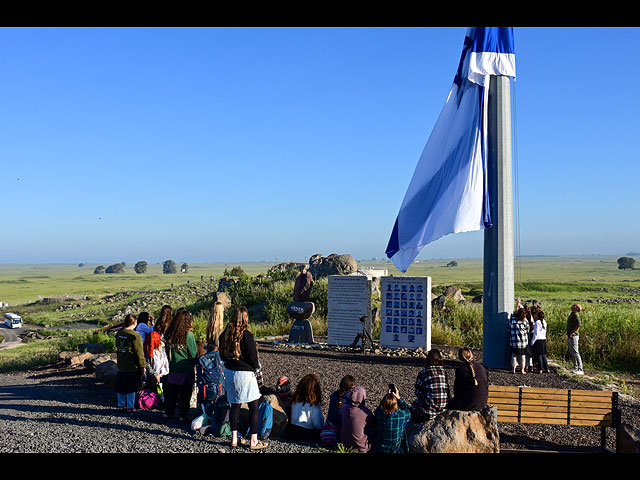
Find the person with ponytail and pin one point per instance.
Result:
(471, 385)
(239, 353)
(539, 342)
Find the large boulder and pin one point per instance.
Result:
(223, 298)
(104, 368)
(292, 267)
(333, 264)
(92, 347)
(456, 431)
(455, 292)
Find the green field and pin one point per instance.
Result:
(611, 299)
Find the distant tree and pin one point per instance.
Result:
(626, 263)
(184, 268)
(81, 264)
(124, 264)
(452, 263)
(140, 267)
(99, 269)
(169, 266)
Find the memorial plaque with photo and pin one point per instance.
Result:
(406, 312)
(349, 299)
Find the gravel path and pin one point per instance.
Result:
(63, 409)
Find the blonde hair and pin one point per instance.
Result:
(214, 326)
(234, 332)
(466, 355)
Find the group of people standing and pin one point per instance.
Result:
(528, 339)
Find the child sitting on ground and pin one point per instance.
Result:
(392, 417)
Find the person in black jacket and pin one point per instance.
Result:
(471, 385)
(239, 353)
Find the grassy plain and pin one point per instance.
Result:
(611, 318)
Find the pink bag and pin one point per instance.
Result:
(148, 400)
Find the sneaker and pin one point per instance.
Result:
(577, 372)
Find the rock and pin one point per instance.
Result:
(301, 310)
(455, 292)
(439, 302)
(74, 358)
(334, 264)
(627, 439)
(456, 431)
(293, 267)
(92, 348)
(92, 363)
(103, 368)
(223, 298)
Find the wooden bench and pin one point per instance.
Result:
(557, 406)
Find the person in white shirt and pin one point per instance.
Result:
(539, 341)
(306, 412)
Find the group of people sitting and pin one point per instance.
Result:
(528, 339)
(163, 355)
(349, 420)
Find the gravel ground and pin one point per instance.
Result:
(63, 409)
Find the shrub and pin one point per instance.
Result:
(626, 263)
(98, 270)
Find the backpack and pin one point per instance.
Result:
(265, 420)
(148, 400)
(210, 380)
(220, 426)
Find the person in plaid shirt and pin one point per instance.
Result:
(431, 388)
(518, 339)
(392, 418)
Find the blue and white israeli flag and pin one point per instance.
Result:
(448, 192)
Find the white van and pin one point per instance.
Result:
(11, 320)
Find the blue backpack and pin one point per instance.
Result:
(265, 420)
(211, 381)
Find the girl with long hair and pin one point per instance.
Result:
(214, 326)
(306, 412)
(431, 389)
(239, 353)
(164, 321)
(471, 385)
(539, 342)
(182, 351)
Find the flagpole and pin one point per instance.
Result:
(498, 299)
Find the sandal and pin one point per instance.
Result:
(259, 446)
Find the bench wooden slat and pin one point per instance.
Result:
(555, 421)
(558, 391)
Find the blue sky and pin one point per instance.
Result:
(238, 144)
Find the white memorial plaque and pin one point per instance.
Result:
(405, 312)
(349, 299)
